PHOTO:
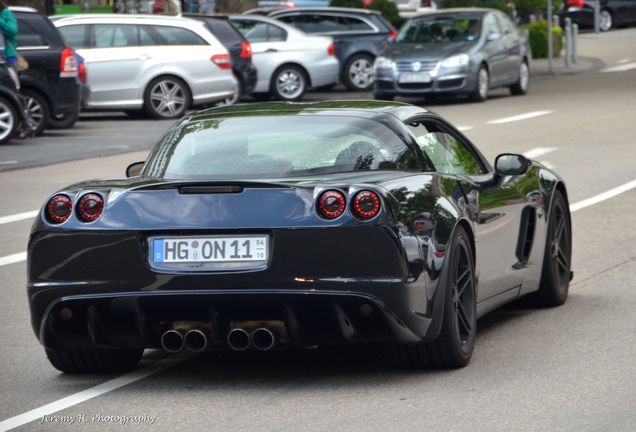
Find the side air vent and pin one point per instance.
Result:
(526, 234)
(210, 189)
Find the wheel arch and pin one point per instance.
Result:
(37, 89)
(166, 74)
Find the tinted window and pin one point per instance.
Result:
(74, 35)
(225, 32)
(115, 35)
(28, 37)
(276, 33)
(355, 24)
(178, 36)
(251, 147)
(443, 28)
(323, 24)
(297, 21)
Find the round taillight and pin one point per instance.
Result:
(90, 207)
(366, 204)
(59, 209)
(331, 204)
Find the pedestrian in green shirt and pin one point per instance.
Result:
(9, 28)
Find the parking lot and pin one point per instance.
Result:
(569, 369)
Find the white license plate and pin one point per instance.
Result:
(415, 77)
(230, 249)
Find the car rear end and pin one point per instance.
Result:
(317, 54)
(53, 69)
(579, 12)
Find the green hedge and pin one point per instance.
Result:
(538, 38)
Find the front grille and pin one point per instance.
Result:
(407, 66)
(416, 86)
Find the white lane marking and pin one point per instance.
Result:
(620, 68)
(18, 217)
(11, 259)
(623, 61)
(92, 392)
(8, 162)
(464, 128)
(603, 196)
(519, 117)
(539, 151)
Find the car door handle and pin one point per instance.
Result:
(271, 50)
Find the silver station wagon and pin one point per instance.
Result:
(163, 65)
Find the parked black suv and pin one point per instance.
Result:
(239, 49)
(358, 36)
(613, 13)
(50, 85)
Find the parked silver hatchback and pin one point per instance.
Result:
(163, 65)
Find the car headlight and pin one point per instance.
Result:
(456, 61)
(383, 63)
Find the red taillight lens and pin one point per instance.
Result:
(68, 63)
(392, 35)
(222, 61)
(331, 204)
(90, 207)
(59, 209)
(331, 51)
(366, 204)
(575, 3)
(246, 50)
(82, 73)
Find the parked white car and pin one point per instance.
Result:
(288, 60)
(162, 64)
(409, 8)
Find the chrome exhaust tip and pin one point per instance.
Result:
(264, 339)
(238, 339)
(172, 341)
(195, 340)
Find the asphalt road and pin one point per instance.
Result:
(565, 369)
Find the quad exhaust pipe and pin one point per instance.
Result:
(195, 340)
(174, 341)
(262, 338)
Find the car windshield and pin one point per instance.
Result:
(440, 29)
(277, 147)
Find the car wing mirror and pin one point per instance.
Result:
(493, 37)
(509, 164)
(134, 169)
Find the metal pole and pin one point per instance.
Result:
(550, 51)
(568, 42)
(575, 42)
(597, 15)
(555, 18)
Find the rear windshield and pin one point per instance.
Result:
(443, 28)
(277, 147)
(225, 32)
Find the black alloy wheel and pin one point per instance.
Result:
(454, 346)
(556, 273)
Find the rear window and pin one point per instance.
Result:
(277, 147)
(178, 36)
(225, 32)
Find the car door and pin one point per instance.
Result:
(513, 44)
(114, 59)
(494, 50)
(495, 205)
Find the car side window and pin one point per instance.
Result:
(145, 36)
(323, 24)
(491, 25)
(74, 35)
(355, 24)
(178, 36)
(115, 35)
(297, 21)
(275, 34)
(447, 152)
(253, 31)
(28, 37)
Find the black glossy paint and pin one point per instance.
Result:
(330, 281)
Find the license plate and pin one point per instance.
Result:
(415, 77)
(230, 249)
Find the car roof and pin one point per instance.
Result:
(361, 109)
(163, 19)
(340, 10)
(22, 9)
(452, 11)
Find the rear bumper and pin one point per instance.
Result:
(137, 319)
(67, 96)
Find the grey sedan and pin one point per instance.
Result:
(454, 51)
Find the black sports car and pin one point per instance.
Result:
(296, 224)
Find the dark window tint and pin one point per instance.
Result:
(297, 21)
(74, 35)
(276, 33)
(115, 35)
(323, 24)
(355, 24)
(28, 37)
(225, 32)
(178, 36)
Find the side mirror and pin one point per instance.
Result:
(508, 164)
(493, 37)
(134, 169)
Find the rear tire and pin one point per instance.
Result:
(8, 120)
(94, 360)
(64, 121)
(557, 259)
(167, 97)
(358, 73)
(454, 346)
(38, 107)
